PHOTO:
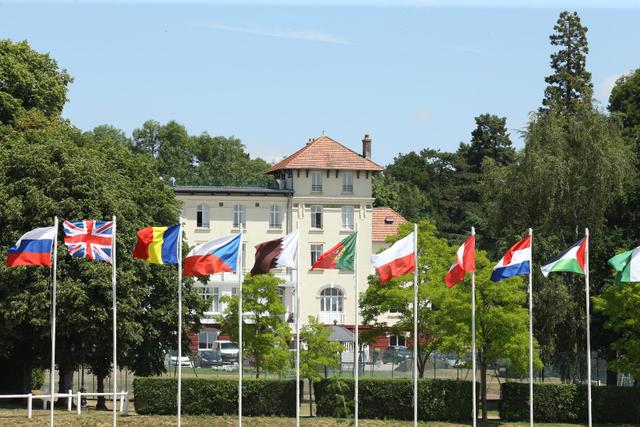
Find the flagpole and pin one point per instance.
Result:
(586, 280)
(416, 339)
(473, 337)
(240, 315)
(53, 319)
(179, 358)
(113, 296)
(531, 330)
(356, 349)
(298, 329)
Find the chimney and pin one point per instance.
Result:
(366, 146)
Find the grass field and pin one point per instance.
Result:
(18, 417)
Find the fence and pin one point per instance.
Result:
(124, 400)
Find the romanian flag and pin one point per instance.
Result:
(158, 245)
(339, 257)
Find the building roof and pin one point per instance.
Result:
(340, 333)
(325, 153)
(385, 222)
(214, 189)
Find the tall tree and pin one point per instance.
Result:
(490, 139)
(570, 84)
(30, 80)
(624, 102)
(265, 337)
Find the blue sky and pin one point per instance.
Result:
(413, 74)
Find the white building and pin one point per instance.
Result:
(324, 192)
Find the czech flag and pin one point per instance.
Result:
(217, 256)
(158, 245)
(399, 259)
(33, 248)
(465, 262)
(515, 262)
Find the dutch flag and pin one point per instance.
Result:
(515, 262)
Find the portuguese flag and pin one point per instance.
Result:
(572, 260)
(627, 264)
(339, 257)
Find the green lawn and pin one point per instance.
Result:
(18, 417)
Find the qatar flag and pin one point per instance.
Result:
(465, 262)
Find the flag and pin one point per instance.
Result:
(158, 245)
(33, 248)
(89, 239)
(515, 262)
(395, 261)
(572, 260)
(276, 253)
(627, 264)
(216, 256)
(339, 257)
(465, 262)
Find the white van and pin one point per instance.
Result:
(228, 350)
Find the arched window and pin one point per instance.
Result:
(331, 300)
(202, 216)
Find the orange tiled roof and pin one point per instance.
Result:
(325, 153)
(385, 222)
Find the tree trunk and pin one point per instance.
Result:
(102, 404)
(612, 376)
(483, 390)
(310, 397)
(65, 383)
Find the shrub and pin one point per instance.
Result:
(567, 403)
(260, 397)
(37, 378)
(444, 400)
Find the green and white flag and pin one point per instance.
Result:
(572, 260)
(627, 264)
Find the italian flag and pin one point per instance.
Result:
(572, 260)
(627, 264)
(339, 257)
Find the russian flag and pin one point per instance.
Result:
(515, 262)
(33, 248)
(217, 256)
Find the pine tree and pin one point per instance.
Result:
(570, 84)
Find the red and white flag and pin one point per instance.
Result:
(399, 259)
(465, 262)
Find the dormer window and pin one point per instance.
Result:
(347, 182)
(316, 182)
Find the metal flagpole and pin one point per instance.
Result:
(113, 296)
(586, 286)
(356, 345)
(179, 358)
(473, 337)
(416, 339)
(53, 319)
(531, 330)
(240, 316)
(298, 329)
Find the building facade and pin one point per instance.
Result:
(325, 192)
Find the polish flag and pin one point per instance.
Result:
(465, 262)
(399, 259)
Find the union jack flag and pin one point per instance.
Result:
(89, 239)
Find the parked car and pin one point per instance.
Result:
(185, 361)
(208, 359)
(228, 350)
(396, 354)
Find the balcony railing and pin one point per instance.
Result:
(331, 317)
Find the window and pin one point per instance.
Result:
(213, 294)
(234, 292)
(202, 216)
(288, 183)
(244, 256)
(281, 294)
(316, 216)
(397, 340)
(347, 182)
(331, 300)
(316, 182)
(274, 217)
(347, 217)
(206, 340)
(316, 251)
(239, 216)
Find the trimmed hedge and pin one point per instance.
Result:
(260, 397)
(567, 403)
(442, 400)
